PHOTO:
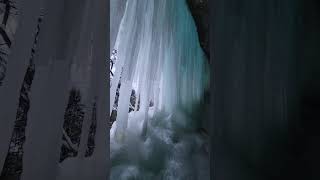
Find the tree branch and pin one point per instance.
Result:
(5, 36)
(6, 12)
(73, 146)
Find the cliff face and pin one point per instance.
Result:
(200, 12)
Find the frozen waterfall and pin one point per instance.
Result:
(160, 58)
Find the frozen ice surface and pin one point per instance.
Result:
(159, 56)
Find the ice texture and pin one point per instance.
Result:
(159, 56)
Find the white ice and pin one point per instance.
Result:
(159, 53)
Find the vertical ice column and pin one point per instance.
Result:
(57, 49)
(48, 105)
(46, 119)
(170, 80)
(123, 108)
(83, 58)
(117, 9)
(101, 152)
(16, 68)
(148, 60)
(138, 53)
(123, 44)
(35, 126)
(185, 64)
(156, 51)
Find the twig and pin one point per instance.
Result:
(73, 146)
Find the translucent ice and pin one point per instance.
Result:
(159, 56)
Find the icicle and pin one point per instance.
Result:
(122, 115)
(124, 38)
(117, 9)
(101, 152)
(161, 58)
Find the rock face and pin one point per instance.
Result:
(200, 12)
(264, 55)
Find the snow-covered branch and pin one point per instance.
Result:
(68, 140)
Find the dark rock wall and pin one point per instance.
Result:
(200, 12)
(308, 140)
(265, 81)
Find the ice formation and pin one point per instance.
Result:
(159, 52)
(159, 56)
